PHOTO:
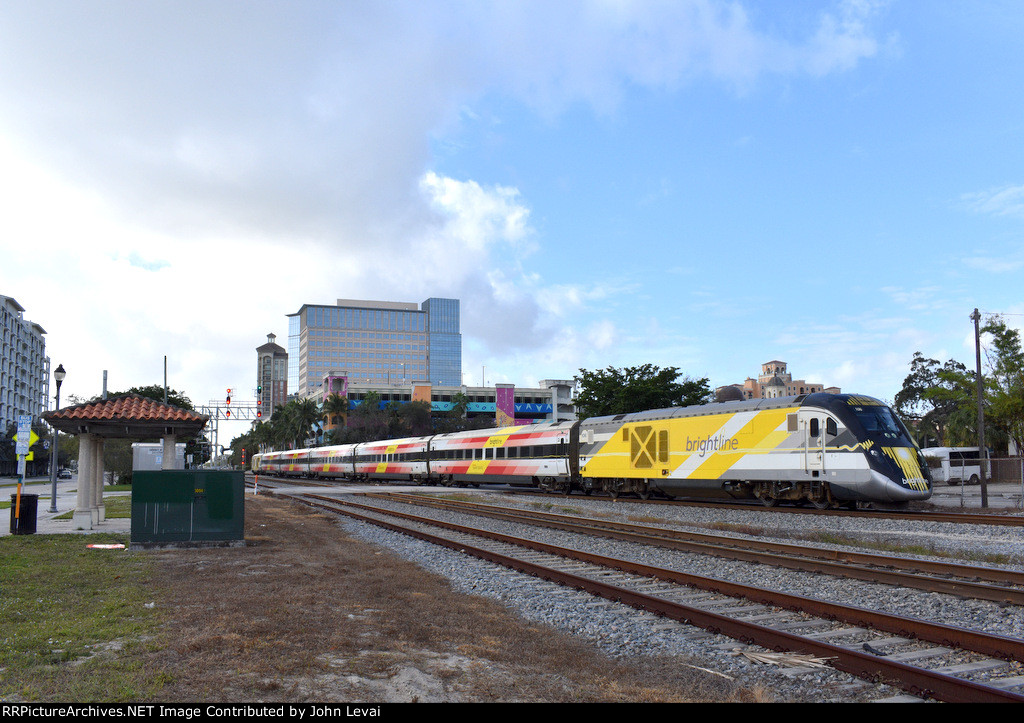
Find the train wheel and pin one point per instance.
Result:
(820, 497)
(765, 492)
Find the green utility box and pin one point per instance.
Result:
(188, 507)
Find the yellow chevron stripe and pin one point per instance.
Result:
(768, 429)
(906, 459)
(762, 434)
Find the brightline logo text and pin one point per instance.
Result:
(704, 445)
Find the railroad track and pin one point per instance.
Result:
(931, 660)
(920, 515)
(959, 517)
(979, 582)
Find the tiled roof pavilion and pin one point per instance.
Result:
(127, 416)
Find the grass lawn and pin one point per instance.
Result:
(63, 606)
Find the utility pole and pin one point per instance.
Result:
(983, 457)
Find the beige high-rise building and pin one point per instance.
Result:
(271, 377)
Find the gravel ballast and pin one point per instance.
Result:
(623, 632)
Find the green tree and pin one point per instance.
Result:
(1005, 383)
(413, 419)
(256, 440)
(368, 421)
(335, 409)
(937, 401)
(155, 391)
(117, 453)
(454, 419)
(636, 389)
(294, 424)
(955, 401)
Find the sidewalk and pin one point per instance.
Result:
(1002, 498)
(67, 498)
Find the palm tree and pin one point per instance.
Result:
(335, 409)
(261, 435)
(304, 416)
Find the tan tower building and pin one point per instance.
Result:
(271, 377)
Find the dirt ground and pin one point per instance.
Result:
(305, 613)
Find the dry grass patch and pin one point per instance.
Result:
(306, 613)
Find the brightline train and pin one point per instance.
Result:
(825, 450)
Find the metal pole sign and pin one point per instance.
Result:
(23, 442)
(24, 433)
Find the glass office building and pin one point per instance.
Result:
(444, 342)
(376, 342)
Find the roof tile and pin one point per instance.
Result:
(128, 408)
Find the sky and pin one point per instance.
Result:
(697, 184)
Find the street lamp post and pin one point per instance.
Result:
(58, 375)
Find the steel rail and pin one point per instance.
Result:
(915, 680)
(992, 574)
(995, 645)
(842, 563)
(974, 518)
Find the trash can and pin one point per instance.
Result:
(25, 521)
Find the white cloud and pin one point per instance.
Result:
(173, 173)
(1004, 201)
(1011, 262)
(313, 120)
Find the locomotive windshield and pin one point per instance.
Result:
(881, 425)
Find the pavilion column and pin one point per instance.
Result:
(97, 500)
(170, 452)
(83, 517)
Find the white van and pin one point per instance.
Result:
(955, 465)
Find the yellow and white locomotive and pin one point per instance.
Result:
(821, 449)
